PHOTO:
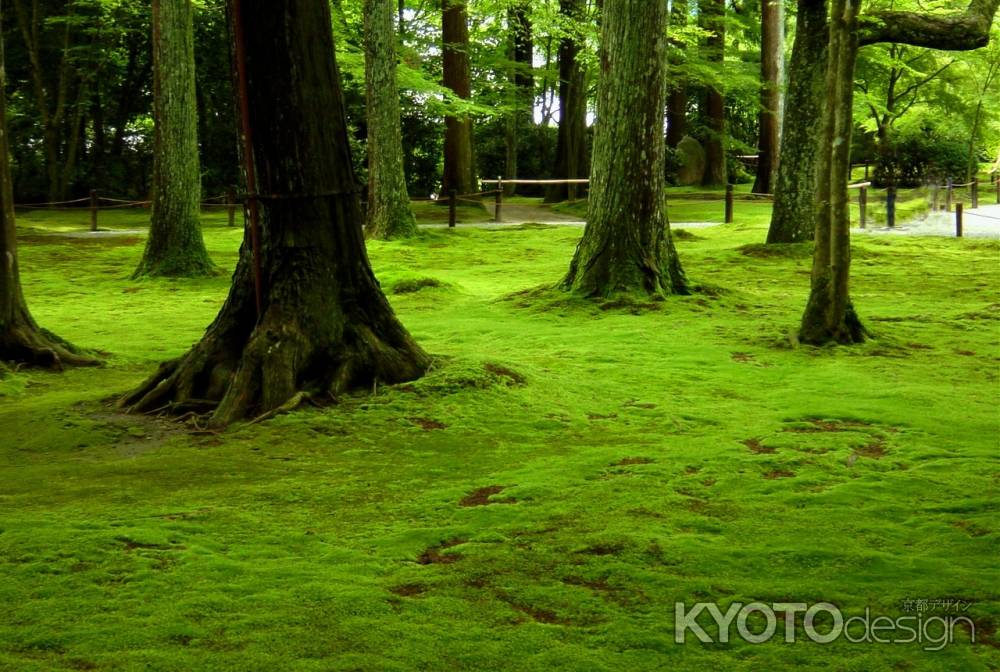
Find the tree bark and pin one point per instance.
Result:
(677, 95)
(324, 326)
(713, 19)
(571, 145)
(522, 79)
(793, 219)
(829, 315)
(22, 341)
(627, 247)
(459, 162)
(175, 246)
(772, 50)
(951, 32)
(389, 215)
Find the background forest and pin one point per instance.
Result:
(80, 107)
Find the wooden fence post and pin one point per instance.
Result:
(93, 209)
(890, 206)
(452, 202)
(950, 196)
(497, 216)
(975, 193)
(934, 196)
(866, 171)
(863, 206)
(958, 220)
(998, 189)
(231, 205)
(729, 204)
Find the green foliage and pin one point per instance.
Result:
(924, 151)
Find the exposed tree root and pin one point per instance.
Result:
(25, 344)
(845, 329)
(258, 371)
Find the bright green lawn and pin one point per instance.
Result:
(682, 451)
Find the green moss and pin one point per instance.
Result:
(685, 453)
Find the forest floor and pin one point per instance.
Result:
(565, 474)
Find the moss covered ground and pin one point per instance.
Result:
(565, 473)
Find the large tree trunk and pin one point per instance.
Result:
(829, 315)
(175, 246)
(22, 341)
(793, 219)
(772, 50)
(627, 247)
(389, 214)
(571, 146)
(522, 56)
(677, 95)
(459, 161)
(323, 327)
(713, 19)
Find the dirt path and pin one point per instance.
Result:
(522, 213)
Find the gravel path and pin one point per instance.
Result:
(983, 222)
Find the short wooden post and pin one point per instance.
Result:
(949, 197)
(866, 171)
(497, 215)
(231, 205)
(863, 206)
(452, 203)
(890, 207)
(934, 196)
(975, 193)
(958, 220)
(998, 190)
(729, 204)
(93, 209)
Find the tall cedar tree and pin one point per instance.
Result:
(772, 50)
(713, 19)
(389, 214)
(627, 247)
(571, 146)
(829, 315)
(793, 219)
(22, 341)
(522, 80)
(459, 161)
(175, 246)
(324, 326)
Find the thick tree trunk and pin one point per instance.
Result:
(324, 326)
(571, 146)
(175, 246)
(677, 94)
(459, 161)
(389, 214)
(22, 341)
(829, 315)
(626, 246)
(522, 56)
(713, 19)
(793, 219)
(772, 50)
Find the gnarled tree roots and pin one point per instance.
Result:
(25, 344)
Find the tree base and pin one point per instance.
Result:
(848, 330)
(26, 344)
(175, 268)
(242, 370)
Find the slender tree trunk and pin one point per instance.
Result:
(829, 315)
(793, 219)
(772, 50)
(459, 161)
(389, 214)
(626, 246)
(571, 146)
(713, 19)
(677, 95)
(521, 117)
(22, 341)
(324, 325)
(175, 246)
